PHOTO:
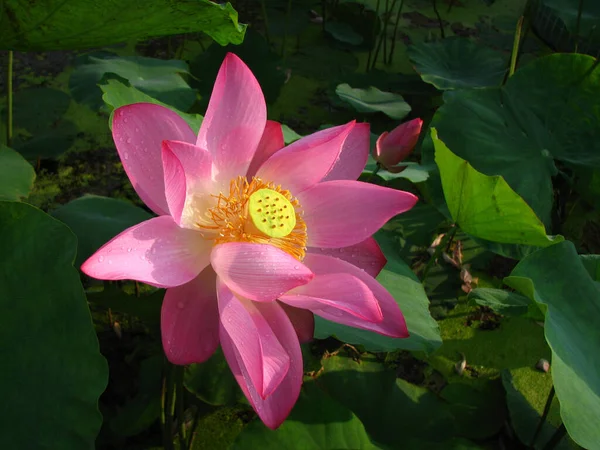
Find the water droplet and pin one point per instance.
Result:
(296, 267)
(341, 250)
(100, 258)
(126, 155)
(125, 120)
(121, 113)
(353, 255)
(110, 261)
(180, 305)
(137, 130)
(121, 139)
(129, 250)
(129, 140)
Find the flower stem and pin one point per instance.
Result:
(180, 405)
(263, 8)
(440, 21)
(377, 169)
(381, 36)
(556, 437)
(577, 25)
(393, 46)
(515, 47)
(285, 29)
(373, 35)
(167, 403)
(9, 96)
(543, 418)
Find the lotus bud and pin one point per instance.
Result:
(395, 146)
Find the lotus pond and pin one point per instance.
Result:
(447, 299)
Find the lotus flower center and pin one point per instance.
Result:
(256, 211)
(271, 213)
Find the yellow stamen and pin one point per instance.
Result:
(257, 212)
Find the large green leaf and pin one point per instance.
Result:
(317, 422)
(458, 63)
(592, 265)
(373, 100)
(559, 280)
(52, 371)
(343, 33)
(117, 94)
(485, 206)
(143, 409)
(16, 175)
(158, 78)
(408, 292)
(525, 419)
(41, 129)
(146, 306)
(584, 23)
(60, 24)
(547, 110)
(391, 409)
(213, 382)
(95, 220)
(503, 302)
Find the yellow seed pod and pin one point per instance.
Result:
(271, 213)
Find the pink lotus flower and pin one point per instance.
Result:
(251, 237)
(391, 148)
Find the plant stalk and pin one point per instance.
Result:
(556, 438)
(9, 97)
(377, 169)
(179, 397)
(285, 29)
(381, 38)
(515, 47)
(577, 25)
(263, 8)
(167, 403)
(374, 27)
(440, 21)
(543, 418)
(393, 46)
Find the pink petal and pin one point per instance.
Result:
(302, 320)
(393, 323)
(335, 296)
(305, 162)
(189, 320)
(341, 213)
(270, 142)
(156, 252)
(354, 155)
(366, 255)
(275, 408)
(391, 148)
(259, 351)
(259, 272)
(235, 119)
(186, 171)
(138, 131)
